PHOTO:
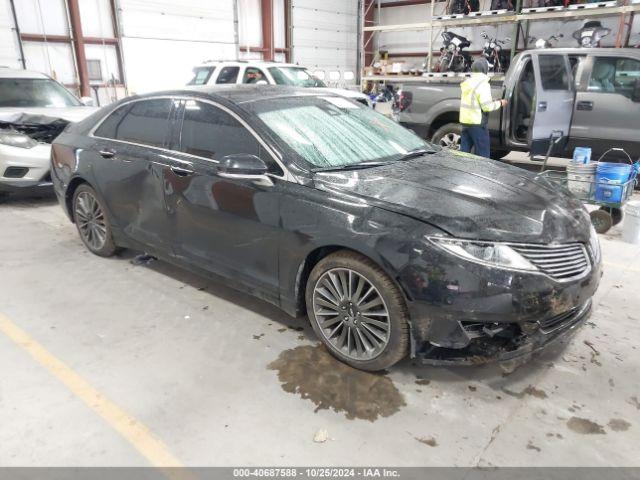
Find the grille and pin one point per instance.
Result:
(562, 262)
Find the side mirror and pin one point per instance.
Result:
(635, 94)
(87, 101)
(244, 166)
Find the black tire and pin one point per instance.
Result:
(397, 343)
(448, 135)
(601, 220)
(616, 214)
(106, 247)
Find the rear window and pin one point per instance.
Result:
(201, 75)
(145, 122)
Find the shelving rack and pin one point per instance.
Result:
(516, 18)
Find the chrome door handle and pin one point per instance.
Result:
(107, 153)
(181, 172)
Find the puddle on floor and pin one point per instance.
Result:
(315, 375)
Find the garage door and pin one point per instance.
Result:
(325, 37)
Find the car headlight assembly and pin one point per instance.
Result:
(486, 253)
(16, 139)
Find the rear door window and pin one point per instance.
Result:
(228, 75)
(145, 122)
(614, 75)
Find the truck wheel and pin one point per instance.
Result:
(499, 154)
(448, 136)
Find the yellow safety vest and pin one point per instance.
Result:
(475, 99)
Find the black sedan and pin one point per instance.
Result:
(392, 246)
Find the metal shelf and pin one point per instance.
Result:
(496, 17)
(572, 11)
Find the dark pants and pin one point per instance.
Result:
(477, 137)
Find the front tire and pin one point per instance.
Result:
(92, 222)
(357, 311)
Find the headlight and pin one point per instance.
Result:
(486, 253)
(594, 244)
(16, 139)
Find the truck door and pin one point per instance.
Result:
(553, 105)
(607, 111)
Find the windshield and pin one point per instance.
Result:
(300, 77)
(35, 92)
(331, 132)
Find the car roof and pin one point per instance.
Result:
(17, 73)
(262, 63)
(240, 94)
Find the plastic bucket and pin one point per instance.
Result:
(631, 225)
(609, 180)
(580, 178)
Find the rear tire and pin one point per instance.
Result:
(92, 222)
(357, 311)
(448, 136)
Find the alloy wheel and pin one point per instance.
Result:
(91, 222)
(351, 314)
(451, 140)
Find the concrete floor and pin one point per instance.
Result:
(199, 367)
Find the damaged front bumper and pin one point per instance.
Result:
(466, 313)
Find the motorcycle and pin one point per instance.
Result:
(545, 42)
(452, 57)
(497, 59)
(590, 34)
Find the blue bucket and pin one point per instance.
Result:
(609, 180)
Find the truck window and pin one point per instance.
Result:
(201, 75)
(553, 72)
(614, 75)
(228, 75)
(253, 75)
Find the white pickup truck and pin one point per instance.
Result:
(271, 73)
(34, 109)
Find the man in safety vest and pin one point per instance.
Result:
(475, 105)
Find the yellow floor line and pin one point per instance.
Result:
(139, 436)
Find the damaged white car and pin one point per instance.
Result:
(34, 109)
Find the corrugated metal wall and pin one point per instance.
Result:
(325, 35)
(9, 51)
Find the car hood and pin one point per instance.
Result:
(70, 114)
(468, 197)
(345, 92)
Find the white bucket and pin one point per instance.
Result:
(631, 225)
(580, 178)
